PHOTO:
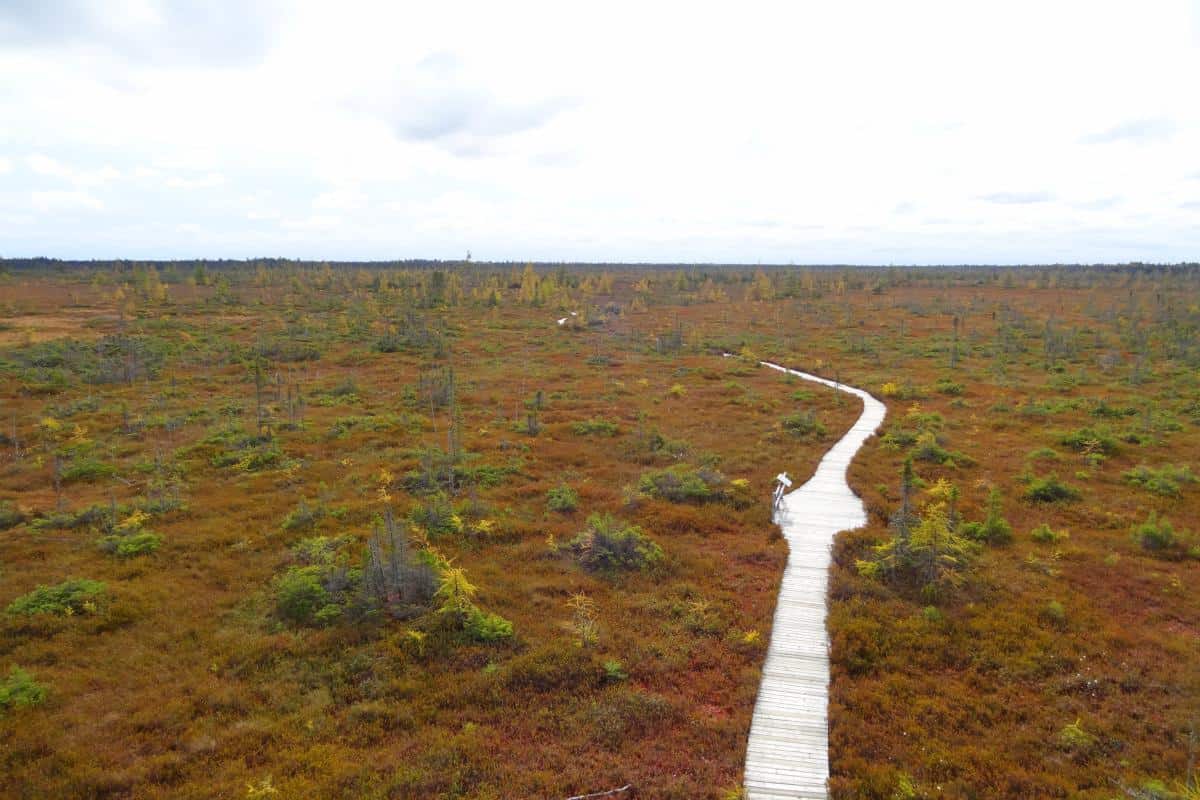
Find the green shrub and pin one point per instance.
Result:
(1053, 613)
(614, 671)
(20, 690)
(100, 517)
(303, 517)
(608, 544)
(683, 484)
(1157, 536)
(1090, 440)
(594, 427)
(995, 528)
(300, 595)
(142, 543)
(1074, 738)
(804, 423)
(1050, 490)
(10, 516)
(250, 460)
(88, 469)
(437, 516)
(562, 498)
(75, 596)
(949, 387)
(1045, 535)
(484, 627)
(926, 447)
(1166, 481)
(316, 550)
(1105, 411)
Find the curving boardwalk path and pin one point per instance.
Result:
(788, 752)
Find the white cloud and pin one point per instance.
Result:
(52, 168)
(340, 200)
(198, 182)
(54, 201)
(5, 165)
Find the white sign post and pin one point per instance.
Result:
(782, 484)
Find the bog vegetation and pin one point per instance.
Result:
(391, 531)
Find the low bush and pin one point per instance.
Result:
(562, 498)
(594, 427)
(1090, 440)
(437, 515)
(20, 690)
(10, 516)
(300, 596)
(1166, 481)
(995, 528)
(1159, 537)
(303, 517)
(1044, 534)
(141, 543)
(1050, 490)
(75, 596)
(101, 517)
(87, 470)
(803, 424)
(484, 627)
(684, 484)
(608, 544)
(1075, 739)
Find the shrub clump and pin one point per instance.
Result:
(1159, 537)
(1166, 481)
(20, 690)
(142, 543)
(1046, 535)
(685, 484)
(87, 470)
(458, 609)
(994, 529)
(302, 599)
(315, 589)
(608, 544)
(303, 517)
(1090, 440)
(10, 516)
(803, 424)
(594, 427)
(562, 498)
(1050, 490)
(75, 596)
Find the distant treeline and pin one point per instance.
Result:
(43, 264)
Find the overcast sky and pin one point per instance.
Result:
(881, 132)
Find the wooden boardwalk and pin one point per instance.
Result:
(788, 752)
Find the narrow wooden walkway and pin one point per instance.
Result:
(788, 752)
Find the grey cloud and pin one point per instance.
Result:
(469, 113)
(224, 32)
(1017, 198)
(1138, 131)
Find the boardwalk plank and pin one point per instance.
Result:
(788, 752)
